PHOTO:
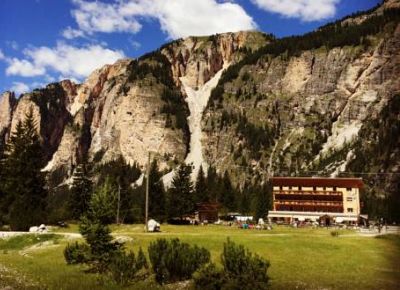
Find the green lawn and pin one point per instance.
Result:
(300, 258)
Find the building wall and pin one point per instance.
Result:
(351, 198)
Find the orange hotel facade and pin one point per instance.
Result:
(331, 200)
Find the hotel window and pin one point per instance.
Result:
(349, 209)
(349, 199)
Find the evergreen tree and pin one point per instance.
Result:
(80, 192)
(24, 183)
(245, 200)
(94, 227)
(156, 193)
(201, 193)
(103, 203)
(181, 193)
(3, 207)
(213, 186)
(228, 193)
(121, 175)
(262, 201)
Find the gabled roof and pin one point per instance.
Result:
(318, 181)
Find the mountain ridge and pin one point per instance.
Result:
(303, 105)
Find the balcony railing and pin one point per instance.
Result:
(310, 203)
(313, 192)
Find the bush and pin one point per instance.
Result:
(334, 233)
(175, 261)
(77, 253)
(241, 270)
(102, 248)
(123, 267)
(208, 278)
(141, 261)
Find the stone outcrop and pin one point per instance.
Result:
(114, 112)
(7, 104)
(198, 59)
(305, 114)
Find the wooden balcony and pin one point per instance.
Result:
(308, 208)
(307, 192)
(309, 203)
(307, 197)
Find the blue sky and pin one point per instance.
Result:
(43, 41)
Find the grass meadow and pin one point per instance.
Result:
(301, 258)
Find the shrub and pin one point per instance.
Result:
(123, 267)
(77, 253)
(141, 261)
(208, 278)
(175, 261)
(334, 233)
(241, 270)
(102, 248)
(126, 267)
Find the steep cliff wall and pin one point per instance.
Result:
(128, 108)
(297, 107)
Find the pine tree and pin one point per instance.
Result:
(156, 193)
(262, 201)
(24, 183)
(245, 200)
(80, 192)
(181, 193)
(121, 175)
(201, 192)
(103, 203)
(213, 186)
(94, 227)
(228, 193)
(3, 206)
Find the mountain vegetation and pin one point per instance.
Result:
(23, 186)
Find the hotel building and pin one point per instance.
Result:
(328, 200)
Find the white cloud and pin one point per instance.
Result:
(182, 18)
(178, 18)
(101, 17)
(70, 61)
(13, 44)
(70, 33)
(2, 56)
(136, 45)
(306, 10)
(19, 88)
(23, 68)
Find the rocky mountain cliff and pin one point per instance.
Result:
(319, 104)
(128, 108)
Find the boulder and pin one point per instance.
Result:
(153, 226)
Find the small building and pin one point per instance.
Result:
(328, 200)
(207, 211)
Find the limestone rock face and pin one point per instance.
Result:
(7, 104)
(307, 114)
(49, 111)
(123, 108)
(198, 59)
